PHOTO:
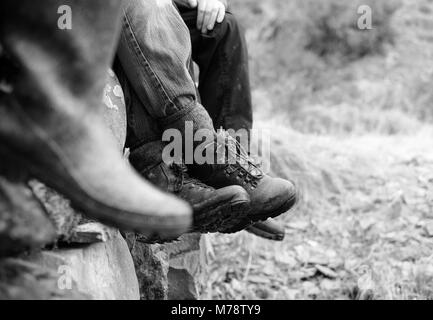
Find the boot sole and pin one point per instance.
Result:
(218, 218)
(250, 220)
(235, 214)
(264, 234)
(16, 168)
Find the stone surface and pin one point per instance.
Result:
(23, 222)
(103, 271)
(58, 208)
(186, 267)
(91, 232)
(115, 111)
(23, 280)
(168, 271)
(151, 265)
(182, 285)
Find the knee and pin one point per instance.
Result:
(231, 25)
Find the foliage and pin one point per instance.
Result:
(332, 28)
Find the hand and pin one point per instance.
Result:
(209, 12)
(187, 3)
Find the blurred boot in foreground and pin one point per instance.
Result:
(51, 126)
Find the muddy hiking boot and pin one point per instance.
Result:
(214, 209)
(268, 229)
(51, 125)
(270, 197)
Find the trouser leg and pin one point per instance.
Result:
(141, 126)
(222, 57)
(154, 52)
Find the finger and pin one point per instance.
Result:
(206, 20)
(221, 14)
(201, 13)
(192, 3)
(211, 23)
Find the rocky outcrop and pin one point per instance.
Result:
(168, 271)
(151, 265)
(57, 208)
(102, 271)
(186, 267)
(24, 280)
(23, 223)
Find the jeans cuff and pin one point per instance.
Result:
(181, 113)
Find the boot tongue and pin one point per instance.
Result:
(182, 177)
(146, 156)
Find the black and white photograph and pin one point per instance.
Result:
(234, 152)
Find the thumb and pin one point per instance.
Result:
(192, 3)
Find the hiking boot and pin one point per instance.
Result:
(268, 229)
(51, 124)
(214, 210)
(270, 197)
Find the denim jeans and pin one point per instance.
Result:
(155, 52)
(141, 125)
(154, 57)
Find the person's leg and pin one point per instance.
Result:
(141, 127)
(154, 52)
(224, 86)
(224, 83)
(140, 46)
(51, 126)
(214, 210)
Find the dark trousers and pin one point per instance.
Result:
(224, 84)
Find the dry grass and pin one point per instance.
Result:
(360, 149)
(362, 230)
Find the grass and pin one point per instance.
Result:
(359, 147)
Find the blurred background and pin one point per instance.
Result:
(351, 113)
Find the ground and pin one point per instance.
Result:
(359, 146)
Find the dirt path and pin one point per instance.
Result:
(364, 228)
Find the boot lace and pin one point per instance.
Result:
(245, 166)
